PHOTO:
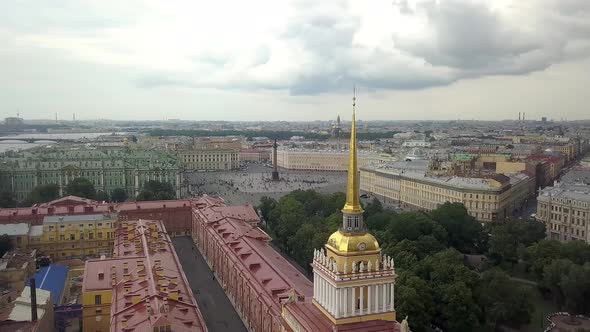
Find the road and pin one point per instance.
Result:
(217, 310)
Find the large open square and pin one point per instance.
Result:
(249, 185)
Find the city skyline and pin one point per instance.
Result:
(295, 60)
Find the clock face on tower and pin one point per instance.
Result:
(362, 246)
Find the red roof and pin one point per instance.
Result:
(248, 247)
(72, 205)
(150, 286)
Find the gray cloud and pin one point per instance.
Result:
(461, 40)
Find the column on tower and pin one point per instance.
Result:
(345, 302)
(369, 298)
(362, 300)
(330, 299)
(353, 301)
(384, 296)
(315, 285)
(376, 298)
(391, 299)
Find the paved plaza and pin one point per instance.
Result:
(251, 184)
(217, 310)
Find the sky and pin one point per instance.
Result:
(295, 59)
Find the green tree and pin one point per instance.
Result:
(7, 200)
(291, 217)
(457, 310)
(118, 195)
(43, 193)
(378, 221)
(569, 284)
(552, 276)
(465, 233)
(539, 255)
(413, 298)
(411, 226)
(155, 190)
(102, 196)
(575, 287)
(5, 244)
(508, 237)
(373, 207)
(81, 187)
(452, 286)
(266, 205)
(503, 301)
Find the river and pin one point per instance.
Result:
(18, 142)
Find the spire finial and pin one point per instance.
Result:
(353, 205)
(353, 97)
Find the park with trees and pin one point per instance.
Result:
(453, 272)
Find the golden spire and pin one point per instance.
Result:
(352, 205)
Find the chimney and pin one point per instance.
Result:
(33, 300)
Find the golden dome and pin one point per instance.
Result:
(352, 243)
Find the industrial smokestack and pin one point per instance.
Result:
(523, 113)
(33, 299)
(518, 116)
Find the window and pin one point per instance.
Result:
(62, 237)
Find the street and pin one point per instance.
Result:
(217, 310)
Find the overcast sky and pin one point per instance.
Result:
(295, 60)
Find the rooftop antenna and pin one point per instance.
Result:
(55, 117)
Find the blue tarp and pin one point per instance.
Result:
(52, 278)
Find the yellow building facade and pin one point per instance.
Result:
(210, 159)
(486, 199)
(96, 310)
(565, 211)
(322, 160)
(75, 236)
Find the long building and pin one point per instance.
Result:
(565, 211)
(210, 159)
(176, 214)
(322, 160)
(142, 288)
(107, 168)
(73, 227)
(486, 198)
(564, 208)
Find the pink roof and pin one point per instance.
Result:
(71, 205)
(148, 276)
(248, 247)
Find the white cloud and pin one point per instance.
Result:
(435, 58)
(310, 47)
